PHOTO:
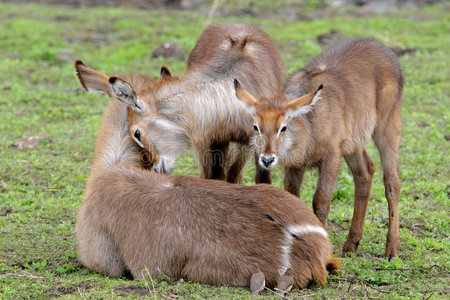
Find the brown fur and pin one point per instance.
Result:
(92, 80)
(253, 59)
(197, 106)
(204, 231)
(361, 98)
(236, 51)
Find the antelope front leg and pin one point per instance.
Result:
(328, 171)
(293, 178)
(237, 158)
(212, 160)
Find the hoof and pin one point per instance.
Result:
(391, 258)
(391, 255)
(346, 254)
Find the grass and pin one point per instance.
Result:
(41, 188)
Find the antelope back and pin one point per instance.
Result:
(204, 231)
(362, 81)
(239, 51)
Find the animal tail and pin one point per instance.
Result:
(333, 265)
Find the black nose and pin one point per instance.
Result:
(267, 160)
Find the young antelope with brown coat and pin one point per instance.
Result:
(94, 81)
(361, 98)
(200, 106)
(207, 231)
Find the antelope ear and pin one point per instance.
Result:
(165, 73)
(244, 96)
(92, 80)
(125, 93)
(304, 104)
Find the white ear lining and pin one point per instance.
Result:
(167, 124)
(125, 93)
(139, 106)
(250, 109)
(316, 97)
(307, 108)
(91, 89)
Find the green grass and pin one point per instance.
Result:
(41, 189)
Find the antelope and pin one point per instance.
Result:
(200, 106)
(94, 81)
(330, 109)
(146, 224)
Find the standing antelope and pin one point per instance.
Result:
(361, 98)
(201, 106)
(206, 231)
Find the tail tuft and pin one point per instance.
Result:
(333, 265)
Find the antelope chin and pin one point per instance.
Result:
(164, 166)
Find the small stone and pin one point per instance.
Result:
(6, 210)
(85, 285)
(330, 37)
(31, 142)
(66, 55)
(400, 51)
(169, 50)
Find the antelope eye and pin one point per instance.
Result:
(137, 134)
(283, 128)
(255, 127)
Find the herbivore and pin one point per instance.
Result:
(200, 105)
(138, 222)
(310, 126)
(94, 81)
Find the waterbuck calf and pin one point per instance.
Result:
(361, 98)
(94, 81)
(201, 106)
(207, 231)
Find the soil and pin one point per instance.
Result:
(133, 289)
(60, 291)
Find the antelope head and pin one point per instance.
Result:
(146, 127)
(275, 123)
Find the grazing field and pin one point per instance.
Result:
(42, 181)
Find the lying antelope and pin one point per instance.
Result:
(94, 81)
(200, 106)
(361, 98)
(207, 231)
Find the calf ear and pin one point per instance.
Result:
(92, 80)
(165, 73)
(244, 96)
(121, 90)
(304, 104)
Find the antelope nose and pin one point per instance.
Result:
(160, 168)
(267, 160)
